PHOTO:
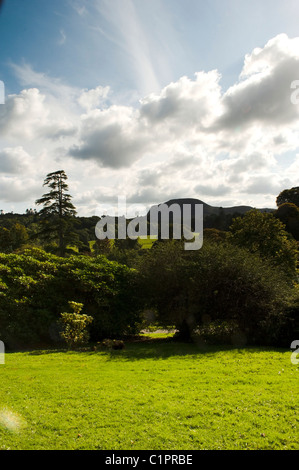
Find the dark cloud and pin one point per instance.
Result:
(110, 146)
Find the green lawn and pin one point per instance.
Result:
(157, 395)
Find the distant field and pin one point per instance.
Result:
(151, 395)
(146, 242)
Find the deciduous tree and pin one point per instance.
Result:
(288, 195)
(265, 235)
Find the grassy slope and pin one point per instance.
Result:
(150, 396)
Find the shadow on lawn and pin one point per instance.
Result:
(141, 348)
(163, 348)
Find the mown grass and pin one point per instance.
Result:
(156, 395)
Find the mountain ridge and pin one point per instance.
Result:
(211, 210)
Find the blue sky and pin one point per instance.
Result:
(142, 98)
(88, 43)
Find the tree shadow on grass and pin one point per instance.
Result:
(142, 347)
(164, 348)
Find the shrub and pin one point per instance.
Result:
(229, 284)
(110, 344)
(265, 235)
(35, 288)
(74, 326)
(220, 282)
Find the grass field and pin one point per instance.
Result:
(151, 395)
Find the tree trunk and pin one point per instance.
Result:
(185, 331)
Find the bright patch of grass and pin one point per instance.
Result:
(146, 242)
(158, 334)
(156, 395)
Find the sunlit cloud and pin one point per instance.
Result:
(186, 139)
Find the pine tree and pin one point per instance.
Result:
(57, 215)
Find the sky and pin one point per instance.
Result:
(149, 100)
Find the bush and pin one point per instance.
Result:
(74, 326)
(221, 332)
(222, 283)
(35, 288)
(112, 344)
(229, 284)
(265, 235)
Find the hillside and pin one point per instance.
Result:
(214, 210)
(213, 216)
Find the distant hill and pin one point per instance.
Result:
(213, 210)
(213, 216)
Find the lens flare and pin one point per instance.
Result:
(11, 420)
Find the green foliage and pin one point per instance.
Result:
(220, 282)
(124, 251)
(110, 344)
(57, 214)
(213, 234)
(221, 332)
(230, 284)
(35, 288)
(13, 238)
(265, 235)
(163, 280)
(288, 214)
(102, 247)
(288, 195)
(74, 326)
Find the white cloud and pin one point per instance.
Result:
(263, 184)
(212, 190)
(29, 115)
(14, 189)
(91, 99)
(14, 160)
(187, 140)
(185, 105)
(263, 96)
(114, 137)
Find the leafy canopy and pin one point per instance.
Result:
(265, 235)
(288, 195)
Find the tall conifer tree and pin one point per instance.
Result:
(58, 212)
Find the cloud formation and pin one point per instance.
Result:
(190, 139)
(14, 160)
(263, 94)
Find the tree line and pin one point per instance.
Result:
(242, 286)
